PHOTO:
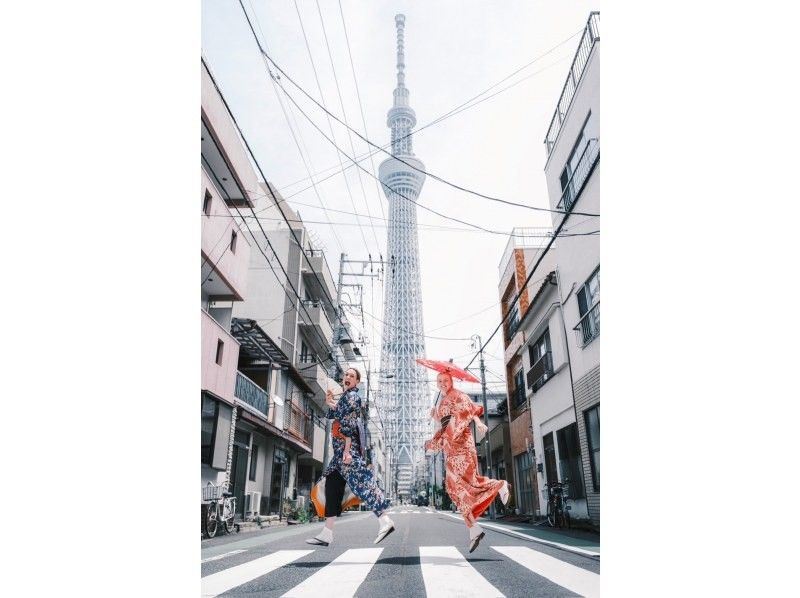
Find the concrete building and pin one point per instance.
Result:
(523, 250)
(227, 181)
(303, 331)
(267, 352)
(572, 170)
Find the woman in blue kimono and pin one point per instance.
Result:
(348, 465)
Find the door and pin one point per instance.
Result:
(239, 468)
(550, 459)
(280, 471)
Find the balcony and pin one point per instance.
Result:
(315, 374)
(316, 326)
(591, 35)
(577, 180)
(318, 278)
(529, 237)
(588, 327)
(540, 372)
(251, 393)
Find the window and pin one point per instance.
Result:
(208, 423)
(519, 388)
(253, 463)
(569, 460)
(215, 427)
(589, 308)
(233, 241)
(579, 165)
(541, 358)
(306, 356)
(220, 347)
(592, 418)
(207, 204)
(512, 322)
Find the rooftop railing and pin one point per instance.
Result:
(591, 35)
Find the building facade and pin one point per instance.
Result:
(572, 171)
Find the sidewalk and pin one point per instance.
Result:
(579, 541)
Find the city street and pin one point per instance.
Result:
(427, 555)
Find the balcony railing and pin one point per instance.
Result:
(588, 327)
(540, 371)
(251, 393)
(591, 35)
(578, 178)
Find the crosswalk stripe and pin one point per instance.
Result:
(583, 582)
(222, 556)
(340, 577)
(447, 573)
(217, 583)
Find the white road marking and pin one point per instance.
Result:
(222, 556)
(339, 578)
(447, 573)
(583, 582)
(532, 538)
(217, 583)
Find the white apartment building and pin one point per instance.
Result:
(572, 170)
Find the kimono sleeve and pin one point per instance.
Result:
(435, 443)
(466, 411)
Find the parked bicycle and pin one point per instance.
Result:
(221, 510)
(557, 507)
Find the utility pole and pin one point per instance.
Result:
(487, 445)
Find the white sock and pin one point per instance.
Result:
(326, 535)
(475, 531)
(504, 493)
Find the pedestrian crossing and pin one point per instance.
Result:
(445, 571)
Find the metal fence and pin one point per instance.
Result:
(591, 35)
(588, 327)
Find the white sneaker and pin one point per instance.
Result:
(504, 492)
(324, 538)
(386, 528)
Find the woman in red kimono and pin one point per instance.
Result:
(471, 492)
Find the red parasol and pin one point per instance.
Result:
(448, 367)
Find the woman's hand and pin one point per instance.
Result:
(347, 458)
(480, 427)
(329, 400)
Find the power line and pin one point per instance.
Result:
(322, 96)
(344, 115)
(454, 111)
(440, 338)
(269, 188)
(298, 143)
(530, 275)
(410, 165)
(360, 104)
(430, 227)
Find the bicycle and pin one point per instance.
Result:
(557, 508)
(221, 510)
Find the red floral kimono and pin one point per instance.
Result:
(471, 492)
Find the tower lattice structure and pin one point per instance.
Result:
(406, 395)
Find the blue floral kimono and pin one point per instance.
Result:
(346, 418)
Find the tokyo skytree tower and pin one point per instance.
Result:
(405, 396)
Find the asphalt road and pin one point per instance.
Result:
(427, 555)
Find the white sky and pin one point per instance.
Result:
(453, 51)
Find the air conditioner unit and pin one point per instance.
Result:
(252, 503)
